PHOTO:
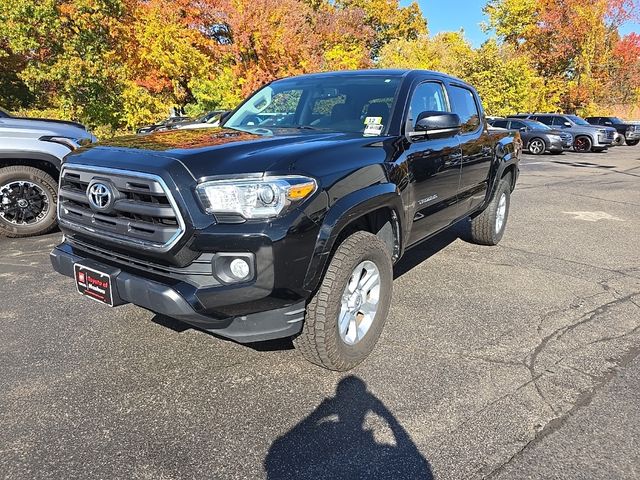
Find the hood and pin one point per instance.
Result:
(218, 151)
(35, 128)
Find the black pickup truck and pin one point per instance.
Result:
(286, 222)
(629, 132)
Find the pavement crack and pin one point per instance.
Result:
(583, 400)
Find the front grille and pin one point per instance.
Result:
(610, 134)
(143, 212)
(566, 137)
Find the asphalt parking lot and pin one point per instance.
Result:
(518, 361)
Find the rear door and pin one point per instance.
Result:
(433, 163)
(476, 145)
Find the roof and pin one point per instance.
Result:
(377, 72)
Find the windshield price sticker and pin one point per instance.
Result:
(373, 126)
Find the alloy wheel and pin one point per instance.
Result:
(359, 303)
(23, 203)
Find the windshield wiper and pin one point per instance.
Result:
(299, 127)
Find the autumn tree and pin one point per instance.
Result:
(569, 40)
(69, 53)
(388, 20)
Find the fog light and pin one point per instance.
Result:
(239, 268)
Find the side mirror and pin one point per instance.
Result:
(566, 124)
(436, 125)
(608, 123)
(523, 129)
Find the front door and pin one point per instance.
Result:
(434, 167)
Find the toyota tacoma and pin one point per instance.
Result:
(287, 220)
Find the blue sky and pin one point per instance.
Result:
(452, 15)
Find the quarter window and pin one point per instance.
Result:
(465, 106)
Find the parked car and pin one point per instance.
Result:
(163, 125)
(537, 137)
(289, 227)
(209, 120)
(586, 137)
(629, 132)
(31, 151)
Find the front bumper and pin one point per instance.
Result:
(602, 141)
(179, 300)
(556, 145)
(635, 135)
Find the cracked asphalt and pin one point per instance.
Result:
(509, 362)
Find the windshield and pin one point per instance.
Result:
(358, 104)
(577, 120)
(616, 120)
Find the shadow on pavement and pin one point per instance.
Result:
(333, 442)
(423, 251)
(584, 164)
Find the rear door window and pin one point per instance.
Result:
(500, 123)
(545, 120)
(464, 104)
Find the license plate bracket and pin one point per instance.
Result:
(97, 282)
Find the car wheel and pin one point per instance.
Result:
(28, 201)
(537, 146)
(582, 144)
(632, 143)
(488, 227)
(346, 315)
(618, 140)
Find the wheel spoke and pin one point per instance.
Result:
(345, 319)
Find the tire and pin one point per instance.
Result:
(484, 227)
(320, 340)
(536, 146)
(39, 193)
(618, 141)
(632, 143)
(582, 144)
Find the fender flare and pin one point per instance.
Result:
(506, 155)
(28, 155)
(344, 212)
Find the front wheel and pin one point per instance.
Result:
(632, 143)
(582, 144)
(488, 227)
(27, 201)
(346, 315)
(537, 146)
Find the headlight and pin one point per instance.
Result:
(72, 143)
(254, 198)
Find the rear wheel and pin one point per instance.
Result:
(632, 143)
(537, 146)
(618, 140)
(346, 315)
(582, 144)
(27, 201)
(488, 227)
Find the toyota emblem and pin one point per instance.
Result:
(100, 196)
